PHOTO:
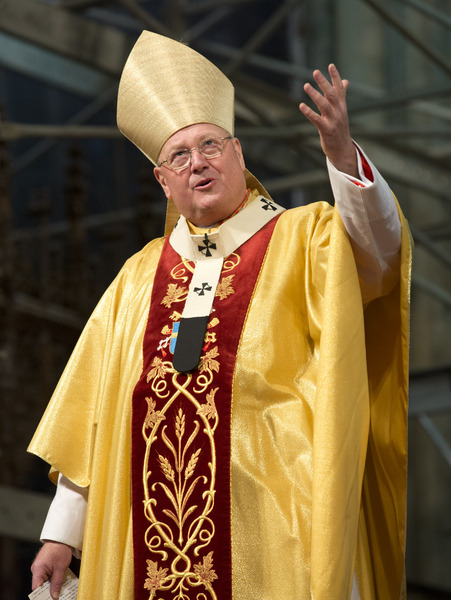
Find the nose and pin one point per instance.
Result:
(198, 160)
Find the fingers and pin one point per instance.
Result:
(311, 115)
(330, 99)
(336, 80)
(37, 580)
(41, 572)
(333, 91)
(322, 101)
(56, 583)
(332, 121)
(329, 88)
(51, 563)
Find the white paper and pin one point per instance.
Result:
(68, 589)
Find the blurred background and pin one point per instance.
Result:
(76, 199)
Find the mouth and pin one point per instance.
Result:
(204, 184)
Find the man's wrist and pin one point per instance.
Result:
(75, 551)
(345, 160)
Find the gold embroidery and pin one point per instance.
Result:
(174, 293)
(155, 576)
(231, 262)
(209, 409)
(210, 337)
(213, 322)
(224, 287)
(158, 370)
(153, 416)
(208, 362)
(180, 271)
(178, 496)
(204, 570)
(179, 478)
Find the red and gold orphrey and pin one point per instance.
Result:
(181, 435)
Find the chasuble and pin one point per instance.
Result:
(311, 461)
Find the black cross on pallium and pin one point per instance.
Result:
(201, 291)
(205, 249)
(268, 205)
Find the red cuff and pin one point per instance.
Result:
(366, 167)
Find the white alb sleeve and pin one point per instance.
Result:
(371, 218)
(65, 521)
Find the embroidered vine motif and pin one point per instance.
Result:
(180, 271)
(209, 409)
(208, 362)
(224, 287)
(179, 468)
(175, 293)
(180, 528)
(231, 262)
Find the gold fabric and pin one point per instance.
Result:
(303, 410)
(85, 431)
(166, 86)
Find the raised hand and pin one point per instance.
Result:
(332, 121)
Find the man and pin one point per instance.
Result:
(246, 437)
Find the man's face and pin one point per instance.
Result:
(206, 191)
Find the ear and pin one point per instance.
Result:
(160, 177)
(238, 152)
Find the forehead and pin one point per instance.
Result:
(189, 136)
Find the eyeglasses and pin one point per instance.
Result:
(210, 148)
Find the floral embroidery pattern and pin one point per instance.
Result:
(158, 369)
(178, 495)
(179, 481)
(225, 288)
(204, 570)
(209, 409)
(179, 419)
(175, 293)
(208, 362)
(155, 576)
(153, 416)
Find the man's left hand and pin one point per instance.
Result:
(332, 122)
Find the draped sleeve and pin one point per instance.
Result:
(66, 435)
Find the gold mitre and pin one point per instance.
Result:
(166, 86)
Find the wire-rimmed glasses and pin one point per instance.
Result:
(210, 148)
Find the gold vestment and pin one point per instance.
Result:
(319, 420)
